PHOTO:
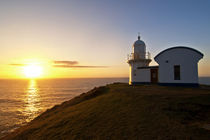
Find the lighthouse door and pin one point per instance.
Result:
(154, 75)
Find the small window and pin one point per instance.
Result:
(177, 72)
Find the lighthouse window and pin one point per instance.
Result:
(177, 72)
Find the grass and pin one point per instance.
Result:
(120, 111)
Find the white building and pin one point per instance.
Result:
(177, 66)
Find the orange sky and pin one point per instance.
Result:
(92, 39)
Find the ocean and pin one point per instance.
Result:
(23, 100)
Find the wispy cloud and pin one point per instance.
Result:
(66, 62)
(16, 64)
(69, 66)
(73, 64)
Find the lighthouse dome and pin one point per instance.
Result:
(139, 43)
(139, 49)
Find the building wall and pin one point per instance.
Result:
(138, 75)
(186, 58)
(130, 74)
(142, 75)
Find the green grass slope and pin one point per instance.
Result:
(120, 111)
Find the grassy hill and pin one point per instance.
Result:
(120, 111)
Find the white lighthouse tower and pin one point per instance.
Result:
(138, 59)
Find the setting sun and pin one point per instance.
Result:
(33, 71)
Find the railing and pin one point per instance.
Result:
(136, 56)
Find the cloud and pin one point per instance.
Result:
(69, 66)
(73, 64)
(66, 62)
(16, 64)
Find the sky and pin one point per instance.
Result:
(92, 38)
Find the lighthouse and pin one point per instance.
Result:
(139, 58)
(177, 66)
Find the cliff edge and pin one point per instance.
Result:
(120, 111)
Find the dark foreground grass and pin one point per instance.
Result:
(119, 111)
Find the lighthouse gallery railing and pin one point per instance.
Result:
(136, 56)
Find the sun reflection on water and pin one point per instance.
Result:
(32, 101)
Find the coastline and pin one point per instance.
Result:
(179, 112)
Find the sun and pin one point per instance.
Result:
(33, 71)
